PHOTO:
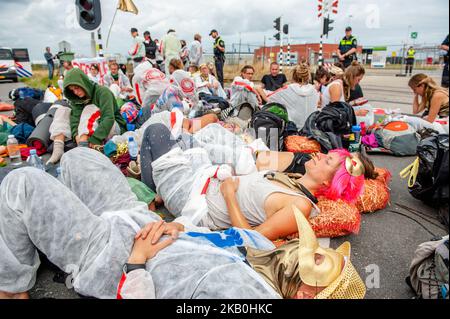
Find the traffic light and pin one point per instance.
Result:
(277, 36)
(89, 14)
(277, 24)
(286, 29)
(327, 22)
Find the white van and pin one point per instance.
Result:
(8, 69)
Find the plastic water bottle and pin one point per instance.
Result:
(133, 148)
(35, 161)
(14, 151)
(355, 145)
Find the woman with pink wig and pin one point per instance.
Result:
(254, 201)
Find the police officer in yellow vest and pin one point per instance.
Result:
(410, 58)
(219, 54)
(347, 48)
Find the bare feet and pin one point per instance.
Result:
(6, 295)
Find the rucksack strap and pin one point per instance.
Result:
(289, 181)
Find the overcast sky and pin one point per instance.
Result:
(35, 24)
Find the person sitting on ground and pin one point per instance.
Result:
(321, 79)
(113, 247)
(275, 80)
(300, 98)
(338, 90)
(194, 70)
(180, 94)
(92, 118)
(429, 98)
(94, 73)
(148, 83)
(432, 101)
(117, 81)
(244, 92)
(355, 93)
(209, 89)
(174, 65)
(212, 69)
(251, 201)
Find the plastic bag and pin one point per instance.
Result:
(432, 184)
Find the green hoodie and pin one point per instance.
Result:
(98, 95)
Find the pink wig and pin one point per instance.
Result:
(343, 186)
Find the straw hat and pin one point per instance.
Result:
(336, 272)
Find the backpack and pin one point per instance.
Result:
(272, 118)
(429, 270)
(22, 93)
(432, 186)
(327, 140)
(23, 110)
(398, 138)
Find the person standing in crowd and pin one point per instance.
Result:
(196, 50)
(219, 55)
(137, 51)
(410, 58)
(50, 63)
(184, 55)
(170, 48)
(347, 48)
(445, 75)
(150, 47)
(275, 80)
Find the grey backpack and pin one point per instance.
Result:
(398, 138)
(429, 270)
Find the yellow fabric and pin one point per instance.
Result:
(411, 54)
(348, 285)
(127, 6)
(347, 41)
(411, 172)
(56, 91)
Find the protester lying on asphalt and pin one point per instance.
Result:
(175, 170)
(94, 225)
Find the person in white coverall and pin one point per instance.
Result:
(170, 48)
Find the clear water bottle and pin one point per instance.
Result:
(35, 161)
(14, 151)
(133, 148)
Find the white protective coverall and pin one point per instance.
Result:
(86, 225)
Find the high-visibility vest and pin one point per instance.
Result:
(346, 41)
(411, 54)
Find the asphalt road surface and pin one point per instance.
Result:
(384, 248)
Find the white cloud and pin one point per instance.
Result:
(37, 23)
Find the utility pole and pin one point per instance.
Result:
(264, 53)
(93, 45)
(239, 53)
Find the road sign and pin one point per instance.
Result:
(414, 35)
